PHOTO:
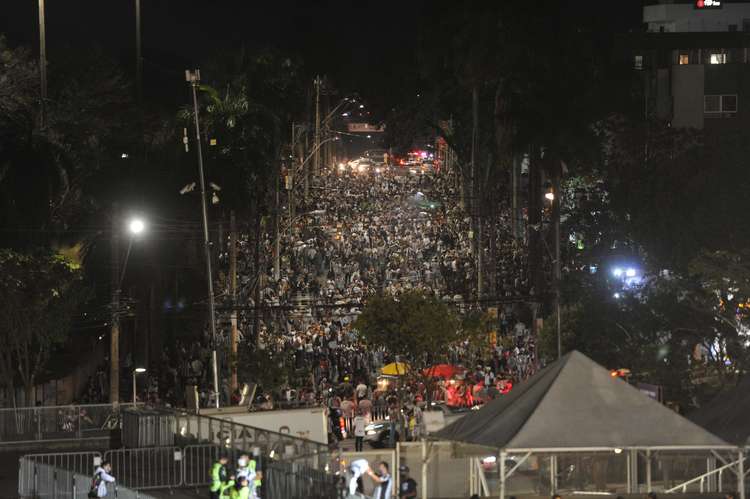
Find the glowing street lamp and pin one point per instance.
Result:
(136, 226)
(137, 370)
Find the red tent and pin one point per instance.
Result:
(445, 371)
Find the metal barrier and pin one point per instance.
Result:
(30, 466)
(293, 481)
(147, 468)
(58, 483)
(197, 429)
(67, 422)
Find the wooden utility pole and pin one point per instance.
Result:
(114, 340)
(42, 64)
(233, 290)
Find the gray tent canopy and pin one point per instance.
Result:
(574, 403)
(728, 414)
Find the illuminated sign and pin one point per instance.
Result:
(708, 4)
(364, 128)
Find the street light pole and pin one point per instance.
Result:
(114, 337)
(138, 58)
(194, 77)
(316, 163)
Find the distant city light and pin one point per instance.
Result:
(124, 155)
(616, 296)
(361, 106)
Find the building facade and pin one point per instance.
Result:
(695, 62)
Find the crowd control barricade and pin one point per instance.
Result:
(58, 423)
(51, 482)
(33, 466)
(294, 481)
(147, 468)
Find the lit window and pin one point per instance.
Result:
(720, 104)
(684, 59)
(638, 62)
(718, 59)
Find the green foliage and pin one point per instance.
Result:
(416, 327)
(39, 295)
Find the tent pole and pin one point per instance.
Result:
(741, 474)
(648, 470)
(424, 469)
(502, 475)
(629, 472)
(634, 471)
(553, 474)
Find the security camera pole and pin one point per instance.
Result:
(194, 78)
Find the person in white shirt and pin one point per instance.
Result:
(384, 481)
(357, 468)
(359, 431)
(101, 478)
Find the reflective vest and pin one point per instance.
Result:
(217, 473)
(225, 489)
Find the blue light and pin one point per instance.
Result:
(617, 272)
(631, 272)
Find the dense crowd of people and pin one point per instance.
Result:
(363, 233)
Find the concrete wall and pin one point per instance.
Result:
(687, 95)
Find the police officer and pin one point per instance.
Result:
(241, 490)
(219, 477)
(408, 488)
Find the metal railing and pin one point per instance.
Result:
(51, 482)
(197, 429)
(294, 481)
(147, 468)
(80, 462)
(65, 422)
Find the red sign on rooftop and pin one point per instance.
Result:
(708, 4)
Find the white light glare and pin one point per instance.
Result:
(617, 272)
(550, 196)
(136, 226)
(630, 272)
(140, 369)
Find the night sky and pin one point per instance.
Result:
(363, 46)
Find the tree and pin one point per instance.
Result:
(416, 327)
(39, 295)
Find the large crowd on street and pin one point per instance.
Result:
(363, 233)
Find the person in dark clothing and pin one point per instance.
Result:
(408, 488)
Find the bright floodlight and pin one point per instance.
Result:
(136, 226)
(630, 272)
(617, 272)
(140, 369)
(550, 195)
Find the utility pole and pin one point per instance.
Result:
(138, 57)
(316, 145)
(277, 231)
(194, 78)
(42, 64)
(114, 337)
(233, 290)
(556, 199)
